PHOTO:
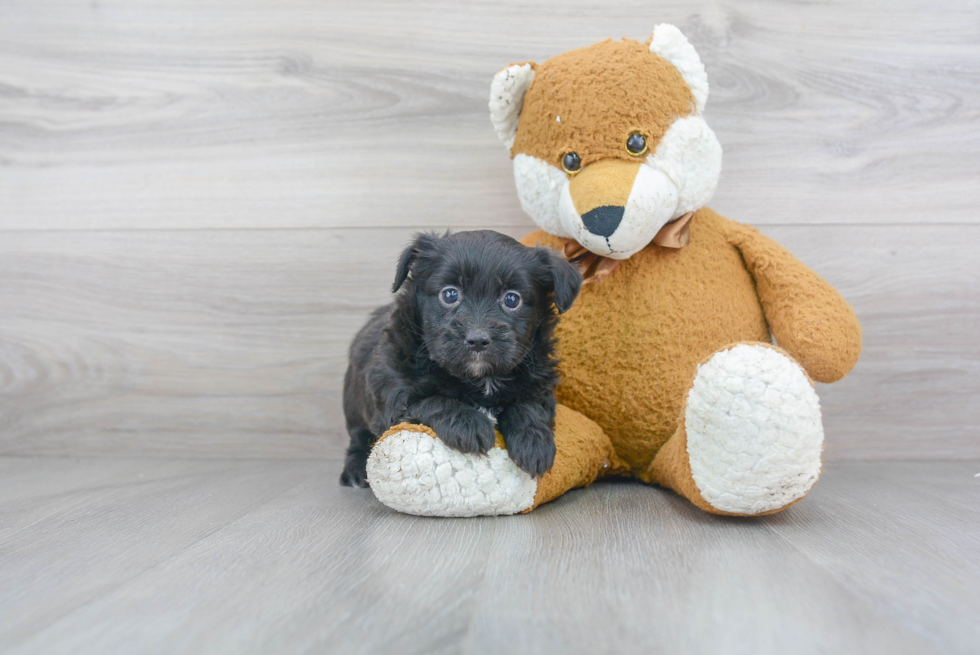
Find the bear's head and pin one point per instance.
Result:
(608, 143)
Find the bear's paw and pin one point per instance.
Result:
(754, 431)
(412, 471)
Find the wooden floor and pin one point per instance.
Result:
(108, 555)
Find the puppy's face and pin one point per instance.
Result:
(480, 296)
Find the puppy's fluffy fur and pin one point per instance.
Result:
(453, 350)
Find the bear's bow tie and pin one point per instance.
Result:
(675, 234)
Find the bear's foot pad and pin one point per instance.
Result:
(414, 472)
(754, 432)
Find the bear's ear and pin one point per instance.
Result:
(668, 42)
(507, 98)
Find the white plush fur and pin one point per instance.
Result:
(414, 473)
(539, 188)
(679, 176)
(754, 432)
(690, 156)
(669, 43)
(506, 99)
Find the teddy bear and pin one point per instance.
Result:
(689, 358)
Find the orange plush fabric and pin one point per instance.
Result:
(807, 316)
(640, 93)
(584, 454)
(631, 343)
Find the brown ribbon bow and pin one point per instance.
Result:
(593, 267)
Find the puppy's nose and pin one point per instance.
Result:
(604, 220)
(478, 340)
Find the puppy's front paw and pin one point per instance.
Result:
(532, 448)
(355, 473)
(465, 429)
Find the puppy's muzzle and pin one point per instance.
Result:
(477, 340)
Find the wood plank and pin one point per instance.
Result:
(229, 335)
(958, 485)
(77, 546)
(233, 343)
(861, 566)
(36, 488)
(318, 563)
(911, 555)
(183, 343)
(310, 114)
(644, 571)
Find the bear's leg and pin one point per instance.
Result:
(750, 436)
(412, 471)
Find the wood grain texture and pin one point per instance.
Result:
(322, 114)
(168, 556)
(233, 343)
(201, 342)
(944, 536)
(53, 563)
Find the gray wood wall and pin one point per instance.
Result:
(200, 201)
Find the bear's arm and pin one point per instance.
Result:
(808, 317)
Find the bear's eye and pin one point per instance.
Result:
(636, 144)
(512, 300)
(449, 296)
(571, 162)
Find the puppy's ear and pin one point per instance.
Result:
(422, 245)
(566, 280)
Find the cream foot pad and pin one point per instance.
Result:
(754, 432)
(412, 471)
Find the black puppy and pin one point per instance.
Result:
(469, 337)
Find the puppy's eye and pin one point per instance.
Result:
(571, 162)
(449, 296)
(512, 300)
(636, 144)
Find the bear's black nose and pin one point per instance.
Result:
(477, 340)
(604, 220)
